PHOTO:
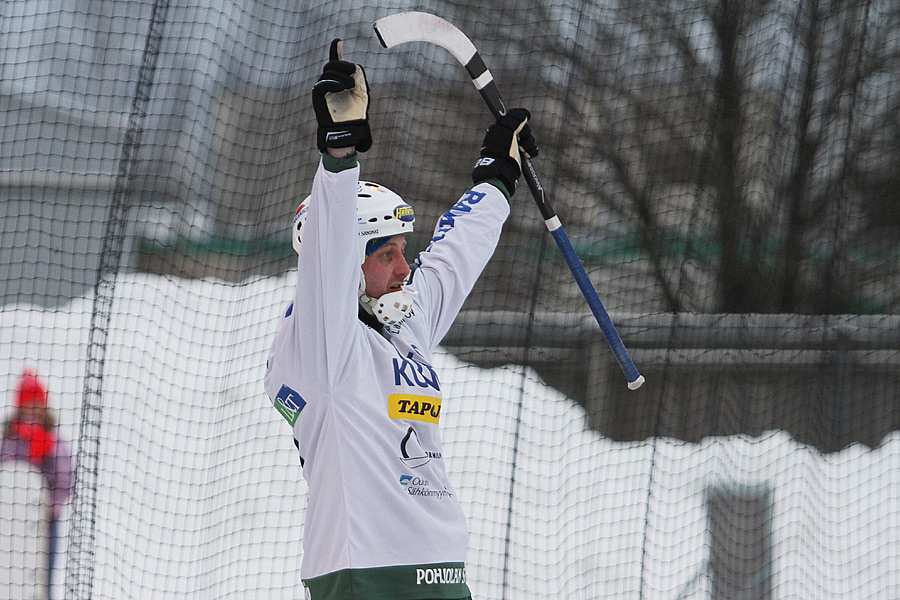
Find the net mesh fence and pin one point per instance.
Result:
(727, 172)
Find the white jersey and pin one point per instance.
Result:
(365, 407)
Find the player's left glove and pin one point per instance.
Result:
(341, 100)
(500, 151)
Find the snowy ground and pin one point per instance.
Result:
(200, 495)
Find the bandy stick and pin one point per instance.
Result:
(423, 27)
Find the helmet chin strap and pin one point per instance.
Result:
(391, 308)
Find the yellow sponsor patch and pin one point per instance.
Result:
(415, 408)
(404, 213)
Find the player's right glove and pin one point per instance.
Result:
(500, 151)
(341, 100)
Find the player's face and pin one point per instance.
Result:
(386, 268)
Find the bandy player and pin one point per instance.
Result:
(350, 365)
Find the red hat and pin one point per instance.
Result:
(31, 390)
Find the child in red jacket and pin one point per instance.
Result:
(31, 435)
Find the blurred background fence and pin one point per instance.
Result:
(728, 172)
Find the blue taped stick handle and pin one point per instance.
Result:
(484, 83)
(634, 378)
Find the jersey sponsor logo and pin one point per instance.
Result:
(429, 493)
(448, 219)
(438, 575)
(410, 480)
(411, 452)
(395, 328)
(420, 487)
(412, 372)
(289, 404)
(414, 407)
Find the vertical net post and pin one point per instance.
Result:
(80, 565)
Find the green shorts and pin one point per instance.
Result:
(440, 581)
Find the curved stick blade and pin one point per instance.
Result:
(423, 27)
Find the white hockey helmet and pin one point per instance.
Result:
(299, 221)
(380, 213)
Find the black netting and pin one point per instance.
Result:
(726, 171)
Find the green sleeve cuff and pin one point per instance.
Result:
(336, 165)
(499, 185)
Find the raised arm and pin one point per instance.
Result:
(314, 334)
(467, 235)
